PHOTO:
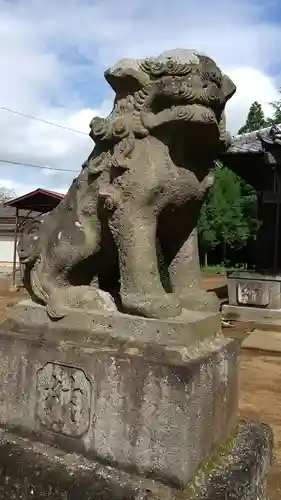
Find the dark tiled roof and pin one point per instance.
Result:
(256, 142)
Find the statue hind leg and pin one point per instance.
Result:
(51, 283)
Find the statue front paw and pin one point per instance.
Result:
(151, 306)
(200, 300)
(79, 297)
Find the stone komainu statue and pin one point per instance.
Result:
(144, 182)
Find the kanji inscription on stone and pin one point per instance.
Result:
(63, 399)
(253, 293)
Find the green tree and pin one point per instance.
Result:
(222, 221)
(207, 234)
(255, 119)
(276, 118)
(228, 218)
(232, 228)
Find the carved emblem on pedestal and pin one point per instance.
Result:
(63, 399)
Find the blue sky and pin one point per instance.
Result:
(53, 54)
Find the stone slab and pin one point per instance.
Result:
(246, 288)
(29, 469)
(269, 319)
(249, 275)
(263, 340)
(186, 329)
(157, 410)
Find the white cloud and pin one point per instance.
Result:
(19, 188)
(53, 54)
(252, 85)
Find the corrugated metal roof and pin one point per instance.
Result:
(10, 212)
(37, 192)
(8, 218)
(40, 200)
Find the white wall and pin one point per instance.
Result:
(7, 249)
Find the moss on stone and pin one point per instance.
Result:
(208, 468)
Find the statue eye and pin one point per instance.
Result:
(212, 76)
(215, 76)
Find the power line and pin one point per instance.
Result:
(11, 162)
(43, 121)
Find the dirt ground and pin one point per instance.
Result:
(260, 381)
(260, 387)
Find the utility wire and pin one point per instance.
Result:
(43, 121)
(43, 167)
(37, 166)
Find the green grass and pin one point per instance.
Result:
(218, 269)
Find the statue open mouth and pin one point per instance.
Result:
(193, 99)
(195, 113)
(181, 115)
(179, 87)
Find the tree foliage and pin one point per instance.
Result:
(276, 118)
(6, 194)
(222, 222)
(255, 119)
(228, 219)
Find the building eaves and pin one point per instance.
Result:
(258, 141)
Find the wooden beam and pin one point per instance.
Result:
(15, 249)
(277, 225)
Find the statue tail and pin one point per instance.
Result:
(47, 293)
(36, 285)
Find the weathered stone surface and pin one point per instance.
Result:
(254, 297)
(186, 329)
(246, 288)
(115, 364)
(241, 471)
(157, 409)
(268, 319)
(29, 469)
(145, 181)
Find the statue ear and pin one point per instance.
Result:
(228, 87)
(126, 75)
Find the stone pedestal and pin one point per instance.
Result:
(32, 469)
(254, 297)
(149, 406)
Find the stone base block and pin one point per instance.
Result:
(258, 289)
(29, 469)
(154, 403)
(263, 341)
(268, 319)
(186, 329)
